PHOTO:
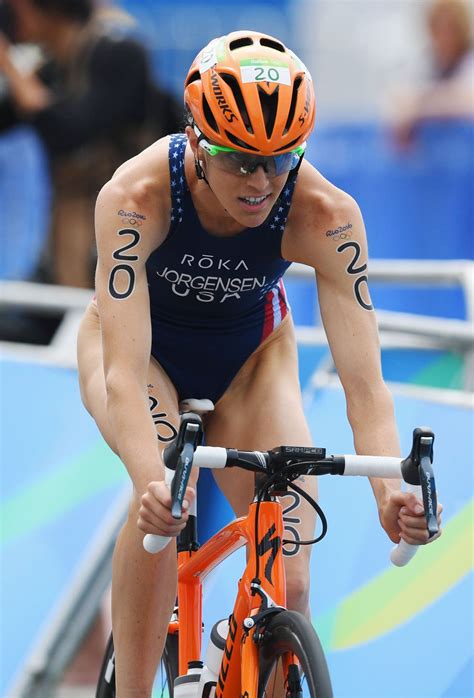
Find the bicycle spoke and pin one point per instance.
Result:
(274, 686)
(165, 693)
(270, 688)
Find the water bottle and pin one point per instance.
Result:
(187, 686)
(213, 659)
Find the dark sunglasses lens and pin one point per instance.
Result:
(244, 164)
(250, 163)
(284, 163)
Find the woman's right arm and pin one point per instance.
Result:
(123, 303)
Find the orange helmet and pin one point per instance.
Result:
(248, 91)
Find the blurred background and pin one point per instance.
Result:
(79, 93)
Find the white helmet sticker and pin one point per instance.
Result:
(299, 62)
(208, 56)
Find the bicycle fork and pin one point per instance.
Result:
(261, 591)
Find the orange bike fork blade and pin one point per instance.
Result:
(249, 672)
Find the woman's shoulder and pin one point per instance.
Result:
(317, 198)
(144, 180)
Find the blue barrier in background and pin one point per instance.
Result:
(417, 204)
(425, 300)
(25, 199)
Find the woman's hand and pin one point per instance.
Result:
(402, 517)
(154, 515)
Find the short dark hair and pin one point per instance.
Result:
(79, 10)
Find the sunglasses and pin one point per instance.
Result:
(239, 163)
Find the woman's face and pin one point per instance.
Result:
(248, 199)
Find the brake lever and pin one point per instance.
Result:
(181, 478)
(428, 486)
(417, 470)
(179, 457)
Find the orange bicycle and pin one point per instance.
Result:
(262, 649)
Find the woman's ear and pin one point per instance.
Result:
(193, 142)
(192, 139)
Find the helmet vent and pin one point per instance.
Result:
(269, 104)
(209, 115)
(193, 77)
(288, 146)
(239, 143)
(294, 96)
(271, 43)
(239, 98)
(239, 43)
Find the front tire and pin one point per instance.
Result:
(168, 666)
(288, 636)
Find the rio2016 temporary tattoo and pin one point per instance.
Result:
(291, 549)
(161, 424)
(120, 256)
(131, 217)
(352, 269)
(343, 232)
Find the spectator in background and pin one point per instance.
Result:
(92, 103)
(449, 94)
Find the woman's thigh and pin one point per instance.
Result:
(262, 409)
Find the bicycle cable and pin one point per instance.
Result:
(272, 480)
(320, 512)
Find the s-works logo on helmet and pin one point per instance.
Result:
(221, 101)
(307, 105)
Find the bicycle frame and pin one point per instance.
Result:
(260, 595)
(239, 669)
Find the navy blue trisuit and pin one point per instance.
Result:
(213, 300)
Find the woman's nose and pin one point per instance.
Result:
(258, 178)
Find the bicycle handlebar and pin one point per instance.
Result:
(152, 542)
(403, 552)
(415, 470)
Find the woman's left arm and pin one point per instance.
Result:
(339, 255)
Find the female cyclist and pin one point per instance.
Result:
(193, 236)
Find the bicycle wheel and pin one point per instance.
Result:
(168, 669)
(290, 641)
